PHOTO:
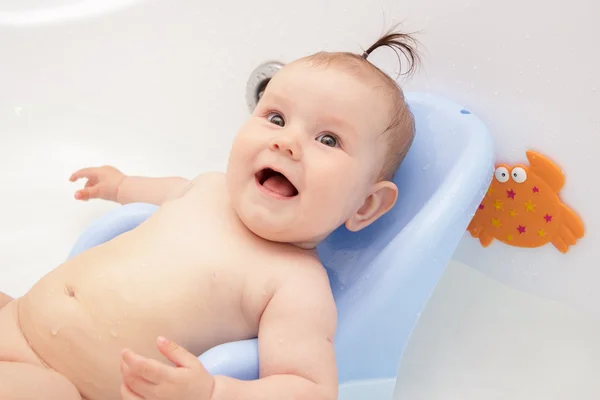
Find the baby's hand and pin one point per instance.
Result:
(145, 378)
(103, 183)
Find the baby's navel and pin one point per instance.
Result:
(69, 291)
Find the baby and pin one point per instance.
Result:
(226, 257)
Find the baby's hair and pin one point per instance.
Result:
(401, 130)
(399, 42)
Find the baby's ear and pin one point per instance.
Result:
(382, 198)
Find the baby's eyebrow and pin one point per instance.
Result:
(277, 98)
(340, 123)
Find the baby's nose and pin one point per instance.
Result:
(287, 146)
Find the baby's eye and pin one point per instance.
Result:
(276, 118)
(328, 140)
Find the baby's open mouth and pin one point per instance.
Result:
(276, 182)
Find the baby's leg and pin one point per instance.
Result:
(4, 299)
(22, 374)
(26, 381)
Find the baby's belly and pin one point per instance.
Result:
(79, 318)
(71, 340)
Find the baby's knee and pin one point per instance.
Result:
(4, 299)
(26, 381)
(62, 385)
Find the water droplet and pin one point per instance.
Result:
(496, 93)
(113, 333)
(527, 36)
(474, 67)
(453, 65)
(593, 89)
(18, 111)
(55, 331)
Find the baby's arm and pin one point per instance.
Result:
(296, 352)
(110, 184)
(295, 346)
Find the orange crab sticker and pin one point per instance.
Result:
(522, 208)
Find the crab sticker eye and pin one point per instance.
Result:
(518, 175)
(501, 174)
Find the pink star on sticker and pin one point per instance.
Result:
(535, 189)
(521, 229)
(510, 194)
(481, 206)
(548, 218)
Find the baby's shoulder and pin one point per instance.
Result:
(305, 291)
(207, 180)
(210, 177)
(307, 273)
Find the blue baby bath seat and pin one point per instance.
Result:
(383, 276)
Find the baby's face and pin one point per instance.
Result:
(307, 160)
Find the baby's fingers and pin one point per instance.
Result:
(134, 386)
(83, 173)
(87, 193)
(127, 394)
(151, 370)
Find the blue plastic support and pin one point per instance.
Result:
(383, 276)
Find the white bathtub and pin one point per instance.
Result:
(157, 88)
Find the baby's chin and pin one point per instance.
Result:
(282, 235)
(285, 233)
